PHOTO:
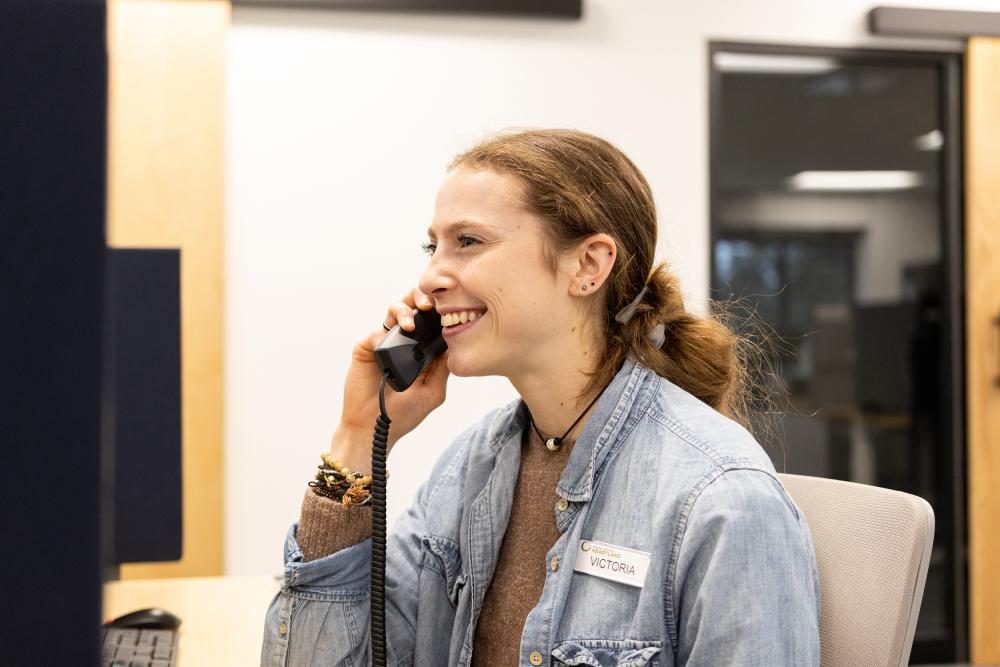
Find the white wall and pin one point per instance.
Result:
(339, 128)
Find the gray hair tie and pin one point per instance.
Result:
(656, 334)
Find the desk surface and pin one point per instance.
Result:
(222, 617)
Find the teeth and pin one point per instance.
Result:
(462, 317)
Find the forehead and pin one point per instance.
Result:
(478, 197)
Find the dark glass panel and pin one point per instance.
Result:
(827, 225)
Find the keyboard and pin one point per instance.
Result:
(128, 647)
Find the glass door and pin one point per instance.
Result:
(835, 219)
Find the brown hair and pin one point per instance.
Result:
(584, 185)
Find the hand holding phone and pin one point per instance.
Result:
(400, 358)
(403, 355)
(361, 388)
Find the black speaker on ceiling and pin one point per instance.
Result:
(559, 9)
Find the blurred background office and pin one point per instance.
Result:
(832, 174)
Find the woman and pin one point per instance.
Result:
(614, 514)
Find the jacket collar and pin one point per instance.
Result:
(623, 402)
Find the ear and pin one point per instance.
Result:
(590, 263)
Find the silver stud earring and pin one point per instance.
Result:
(583, 287)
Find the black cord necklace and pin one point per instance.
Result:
(553, 444)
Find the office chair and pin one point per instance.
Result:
(873, 547)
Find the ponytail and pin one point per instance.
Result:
(698, 353)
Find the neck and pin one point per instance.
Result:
(551, 388)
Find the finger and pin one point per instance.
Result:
(402, 313)
(436, 379)
(396, 313)
(390, 319)
(441, 372)
(437, 369)
(422, 300)
(372, 340)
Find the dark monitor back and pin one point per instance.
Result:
(143, 377)
(52, 184)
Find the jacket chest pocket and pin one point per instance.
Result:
(442, 555)
(607, 653)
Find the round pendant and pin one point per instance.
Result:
(552, 444)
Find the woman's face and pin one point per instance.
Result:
(486, 258)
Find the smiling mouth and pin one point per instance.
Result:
(461, 317)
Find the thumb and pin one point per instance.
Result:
(437, 371)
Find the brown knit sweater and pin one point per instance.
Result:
(326, 527)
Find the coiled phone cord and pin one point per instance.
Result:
(380, 442)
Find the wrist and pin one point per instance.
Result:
(352, 447)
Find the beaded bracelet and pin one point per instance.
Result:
(339, 483)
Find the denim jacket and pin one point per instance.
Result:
(730, 575)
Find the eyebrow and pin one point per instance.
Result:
(454, 227)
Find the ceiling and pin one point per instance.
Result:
(852, 117)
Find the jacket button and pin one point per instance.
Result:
(282, 629)
(535, 658)
(554, 563)
(563, 504)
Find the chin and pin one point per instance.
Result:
(466, 365)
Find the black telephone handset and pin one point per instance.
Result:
(401, 356)
(405, 354)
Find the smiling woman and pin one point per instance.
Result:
(653, 532)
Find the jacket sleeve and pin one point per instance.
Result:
(321, 614)
(746, 588)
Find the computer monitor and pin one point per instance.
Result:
(52, 183)
(53, 257)
(142, 409)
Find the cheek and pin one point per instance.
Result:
(512, 311)
(515, 296)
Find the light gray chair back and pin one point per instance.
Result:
(873, 547)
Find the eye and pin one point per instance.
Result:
(464, 241)
(465, 238)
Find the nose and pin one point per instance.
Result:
(437, 278)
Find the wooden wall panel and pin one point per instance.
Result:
(982, 242)
(165, 189)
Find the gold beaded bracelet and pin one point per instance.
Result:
(339, 483)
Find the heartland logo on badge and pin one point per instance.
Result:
(626, 566)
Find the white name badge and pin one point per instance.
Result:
(626, 566)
